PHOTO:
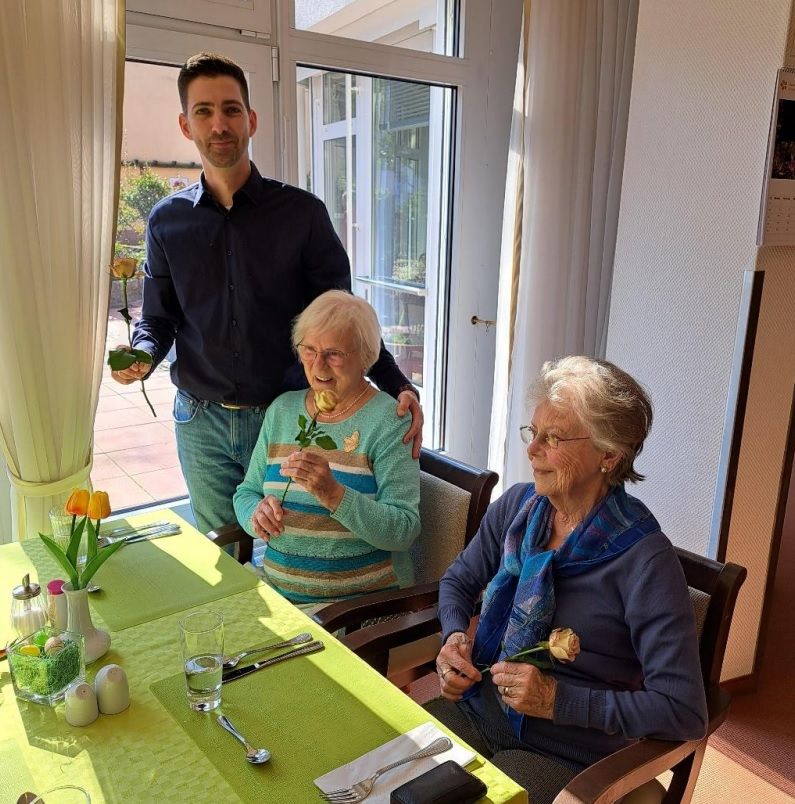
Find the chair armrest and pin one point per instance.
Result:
(350, 614)
(234, 534)
(374, 642)
(620, 773)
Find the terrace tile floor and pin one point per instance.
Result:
(135, 456)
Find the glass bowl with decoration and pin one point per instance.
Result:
(45, 663)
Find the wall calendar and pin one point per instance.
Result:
(777, 216)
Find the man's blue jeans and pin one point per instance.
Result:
(214, 445)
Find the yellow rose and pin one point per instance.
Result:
(99, 505)
(564, 644)
(124, 267)
(325, 401)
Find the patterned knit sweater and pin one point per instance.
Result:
(363, 546)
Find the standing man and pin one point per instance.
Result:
(231, 260)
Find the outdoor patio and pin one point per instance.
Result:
(135, 457)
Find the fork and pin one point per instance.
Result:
(360, 790)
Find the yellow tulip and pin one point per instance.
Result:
(325, 401)
(124, 267)
(99, 505)
(77, 504)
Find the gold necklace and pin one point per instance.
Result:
(343, 412)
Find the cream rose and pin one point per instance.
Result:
(564, 644)
(124, 267)
(325, 401)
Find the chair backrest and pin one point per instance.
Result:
(453, 498)
(713, 592)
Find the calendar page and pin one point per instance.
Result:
(777, 218)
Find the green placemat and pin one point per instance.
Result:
(308, 722)
(15, 778)
(148, 580)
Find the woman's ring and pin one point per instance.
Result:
(502, 690)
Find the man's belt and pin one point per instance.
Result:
(230, 406)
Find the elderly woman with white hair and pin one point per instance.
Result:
(572, 550)
(331, 486)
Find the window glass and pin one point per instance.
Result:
(428, 25)
(379, 158)
(135, 456)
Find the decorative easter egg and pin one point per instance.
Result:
(53, 645)
(113, 689)
(29, 650)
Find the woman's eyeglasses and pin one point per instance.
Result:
(332, 357)
(529, 435)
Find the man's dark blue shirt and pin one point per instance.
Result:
(225, 286)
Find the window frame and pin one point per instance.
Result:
(484, 80)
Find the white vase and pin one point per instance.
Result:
(79, 621)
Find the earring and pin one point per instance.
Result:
(603, 470)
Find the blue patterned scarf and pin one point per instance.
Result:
(519, 603)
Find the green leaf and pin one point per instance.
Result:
(125, 314)
(97, 561)
(302, 421)
(91, 540)
(61, 557)
(120, 359)
(301, 435)
(74, 542)
(304, 442)
(327, 442)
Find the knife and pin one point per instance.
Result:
(239, 672)
(147, 537)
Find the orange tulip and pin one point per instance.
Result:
(99, 505)
(77, 504)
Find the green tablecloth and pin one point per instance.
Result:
(142, 581)
(314, 713)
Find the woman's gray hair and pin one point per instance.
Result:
(610, 403)
(337, 310)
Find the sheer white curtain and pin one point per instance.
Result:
(562, 197)
(61, 70)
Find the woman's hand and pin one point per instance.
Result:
(454, 665)
(311, 470)
(525, 688)
(266, 521)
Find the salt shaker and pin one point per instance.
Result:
(80, 704)
(27, 610)
(113, 690)
(57, 604)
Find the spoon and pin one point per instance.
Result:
(232, 661)
(256, 756)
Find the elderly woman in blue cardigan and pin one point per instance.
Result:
(572, 550)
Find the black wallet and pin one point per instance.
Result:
(447, 783)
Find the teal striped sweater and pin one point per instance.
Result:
(361, 547)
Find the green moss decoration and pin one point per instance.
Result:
(46, 675)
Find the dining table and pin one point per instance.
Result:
(314, 713)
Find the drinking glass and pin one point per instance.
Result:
(65, 794)
(202, 638)
(61, 524)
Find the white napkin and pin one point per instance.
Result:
(401, 746)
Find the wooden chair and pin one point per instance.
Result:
(453, 498)
(713, 591)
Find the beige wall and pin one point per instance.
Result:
(151, 110)
(701, 98)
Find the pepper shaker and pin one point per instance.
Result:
(57, 604)
(113, 689)
(80, 704)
